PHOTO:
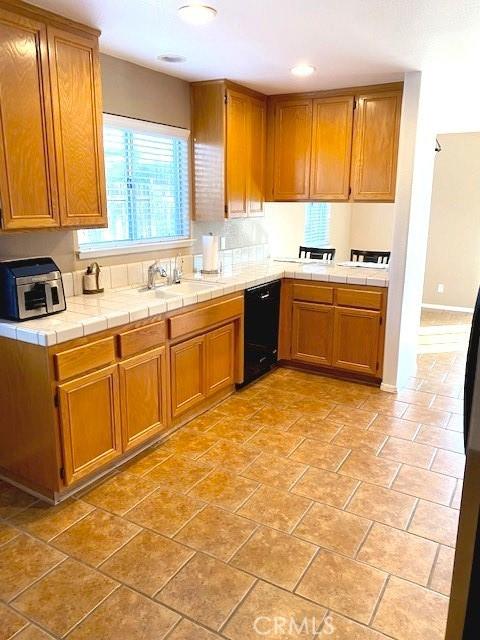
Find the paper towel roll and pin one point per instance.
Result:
(210, 253)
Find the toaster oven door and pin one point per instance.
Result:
(39, 299)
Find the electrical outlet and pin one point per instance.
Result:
(440, 288)
(223, 243)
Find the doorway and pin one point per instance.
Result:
(452, 273)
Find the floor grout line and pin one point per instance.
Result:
(288, 491)
(433, 567)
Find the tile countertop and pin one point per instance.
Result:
(90, 314)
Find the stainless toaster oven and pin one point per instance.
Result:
(30, 288)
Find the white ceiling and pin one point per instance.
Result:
(256, 42)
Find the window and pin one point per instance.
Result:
(317, 224)
(146, 168)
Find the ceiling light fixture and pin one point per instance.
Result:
(197, 13)
(171, 58)
(302, 70)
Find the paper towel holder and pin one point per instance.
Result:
(91, 279)
(210, 271)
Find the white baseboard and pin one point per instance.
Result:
(444, 307)
(389, 388)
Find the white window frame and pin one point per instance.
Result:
(141, 246)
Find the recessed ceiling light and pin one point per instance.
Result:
(197, 13)
(302, 70)
(171, 58)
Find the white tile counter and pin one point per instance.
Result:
(88, 314)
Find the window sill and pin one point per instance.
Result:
(97, 252)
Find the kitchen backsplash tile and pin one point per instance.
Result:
(119, 275)
(136, 273)
(237, 233)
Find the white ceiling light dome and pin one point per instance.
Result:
(197, 13)
(303, 70)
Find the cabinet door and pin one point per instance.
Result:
(375, 146)
(237, 154)
(187, 371)
(27, 167)
(312, 333)
(292, 146)
(90, 422)
(220, 357)
(77, 111)
(143, 388)
(257, 136)
(331, 148)
(356, 340)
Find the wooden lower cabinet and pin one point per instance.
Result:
(143, 394)
(187, 370)
(312, 333)
(220, 358)
(90, 422)
(356, 343)
(200, 367)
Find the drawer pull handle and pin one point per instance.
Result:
(262, 359)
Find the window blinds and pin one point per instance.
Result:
(146, 168)
(317, 224)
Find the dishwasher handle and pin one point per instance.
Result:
(265, 295)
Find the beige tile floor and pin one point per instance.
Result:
(330, 502)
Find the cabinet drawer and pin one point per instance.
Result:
(313, 293)
(79, 360)
(202, 319)
(138, 340)
(359, 298)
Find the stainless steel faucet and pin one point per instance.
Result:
(154, 270)
(178, 270)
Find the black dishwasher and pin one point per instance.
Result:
(262, 308)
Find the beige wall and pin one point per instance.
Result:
(371, 226)
(284, 222)
(453, 256)
(340, 229)
(359, 226)
(128, 90)
(137, 92)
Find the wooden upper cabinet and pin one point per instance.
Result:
(229, 141)
(257, 136)
(291, 149)
(51, 153)
(334, 146)
(28, 191)
(331, 148)
(237, 154)
(375, 148)
(77, 111)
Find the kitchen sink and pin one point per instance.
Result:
(175, 290)
(187, 287)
